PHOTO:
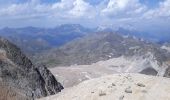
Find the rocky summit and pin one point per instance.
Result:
(118, 87)
(20, 79)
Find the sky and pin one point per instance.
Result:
(151, 15)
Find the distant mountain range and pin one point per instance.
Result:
(152, 37)
(101, 46)
(32, 39)
(74, 44)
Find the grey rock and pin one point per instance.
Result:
(140, 85)
(17, 71)
(121, 97)
(128, 90)
(102, 93)
(113, 84)
(167, 73)
(144, 91)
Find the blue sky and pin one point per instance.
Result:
(139, 14)
(151, 3)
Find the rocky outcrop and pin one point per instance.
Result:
(52, 86)
(19, 74)
(167, 73)
(149, 71)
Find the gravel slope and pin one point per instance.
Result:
(118, 87)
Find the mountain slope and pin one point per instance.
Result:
(118, 87)
(19, 74)
(101, 46)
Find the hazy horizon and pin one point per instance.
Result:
(149, 15)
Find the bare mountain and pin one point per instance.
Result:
(101, 46)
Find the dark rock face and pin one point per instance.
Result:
(149, 71)
(167, 73)
(17, 71)
(53, 86)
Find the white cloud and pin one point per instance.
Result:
(81, 8)
(63, 5)
(105, 12)
(162, 11)
(32, 8)
(123, 8)
(63, 9)
(74, 8)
